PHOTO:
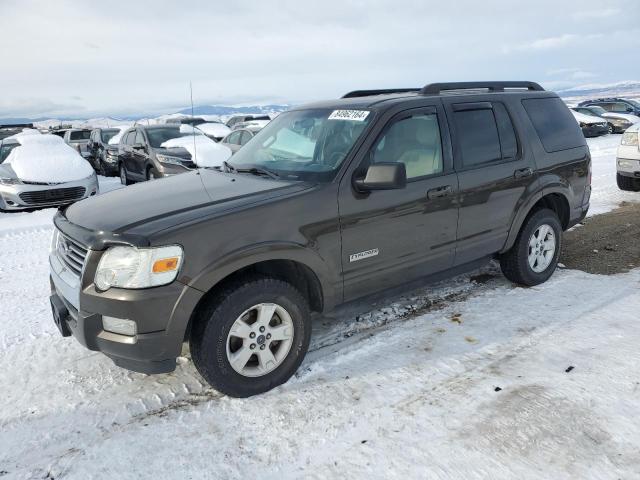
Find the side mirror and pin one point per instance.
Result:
(138, 146)
(629, 109)
(383, 176)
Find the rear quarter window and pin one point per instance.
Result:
(554, 124)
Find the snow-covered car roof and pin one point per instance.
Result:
(44, 159)
(115, 140)
(214, 129)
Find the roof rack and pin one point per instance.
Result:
(386, 91)
(437, 88)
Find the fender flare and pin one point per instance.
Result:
(214, 273)
(525, 209)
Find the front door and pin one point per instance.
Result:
(390, 237)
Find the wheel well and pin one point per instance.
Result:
(295, 273)
(556, 202)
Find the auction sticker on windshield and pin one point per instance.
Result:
(354, 115)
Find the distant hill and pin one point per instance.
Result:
(223, 110)
(628, 89)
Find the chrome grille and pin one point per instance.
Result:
(54, 195)
(71, 253)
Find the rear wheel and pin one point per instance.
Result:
(534, 256)
(628, 184)
(124, 178)
(251, 337)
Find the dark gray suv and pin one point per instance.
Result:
(142, 155)
(330, 202)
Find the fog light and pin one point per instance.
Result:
(119, 325)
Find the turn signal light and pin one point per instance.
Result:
(165, 265)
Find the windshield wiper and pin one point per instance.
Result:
(258, 171)
(228, 168)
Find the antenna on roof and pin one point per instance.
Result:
(193, 128)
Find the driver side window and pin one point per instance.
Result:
(414, 141)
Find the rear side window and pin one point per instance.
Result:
(79, 135)
(554, 123)
(508, 142)
(478, 136)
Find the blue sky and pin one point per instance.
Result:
(85, 58)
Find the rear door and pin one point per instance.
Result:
(495, 171)
(139, 154)
(390, 237)
(127, 150)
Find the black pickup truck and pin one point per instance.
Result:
(330, 202)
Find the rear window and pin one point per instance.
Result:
(108, 135)
(80, 135)
(554, 123)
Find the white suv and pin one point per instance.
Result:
(628, 160)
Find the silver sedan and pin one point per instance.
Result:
(20, 194)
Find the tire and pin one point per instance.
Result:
(210, 339)
(515, 263)
(124, 178)
(627, 184)
(152, 174)
(101, 170)
(610, 128)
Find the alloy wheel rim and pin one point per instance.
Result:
(260, 339)
(123, 176)
(541, 248)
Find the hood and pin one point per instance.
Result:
(587, 119)
(174, 152)
(204, 151)
(148, 207)
(46, 159)
(624, 116)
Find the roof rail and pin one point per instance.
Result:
(369, 93)
(437, 88)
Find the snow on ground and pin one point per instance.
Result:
(464, 379)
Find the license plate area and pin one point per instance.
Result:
(60, 315)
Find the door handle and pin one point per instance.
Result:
(523, 172)
(439, 192)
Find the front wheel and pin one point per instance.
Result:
(251, 337)
(610, 128)
(124, 178)
(534, 256)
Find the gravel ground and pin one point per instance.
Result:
(605, 244)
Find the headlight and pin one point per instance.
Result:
(582, 124)
(627, 164)
(169, 159)
(131, 267)
(629, 138)
(54, 241)
(620, 121)
(9, 181)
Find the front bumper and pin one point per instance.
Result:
(628, 167)
(25, 196)
(161, 315)
(595, 130)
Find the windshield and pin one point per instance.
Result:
(157, 136)
(5, 150)
(79, 135)
(635, 103)
(597, 110)
(108, 135)
(304, 144)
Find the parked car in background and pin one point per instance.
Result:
(628, 160)
(237, 139)
(244, 118)
(618, 122)
(253, 125)
(99, 146)
(42, 171)
(78, 138)
(591, 126)
(329, 203)
(214, 130)
(156, 151)
(59, 131)
(615, 105)
(13, 129)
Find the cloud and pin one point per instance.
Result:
(550, 43)
(596, 14)
(571, 73)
